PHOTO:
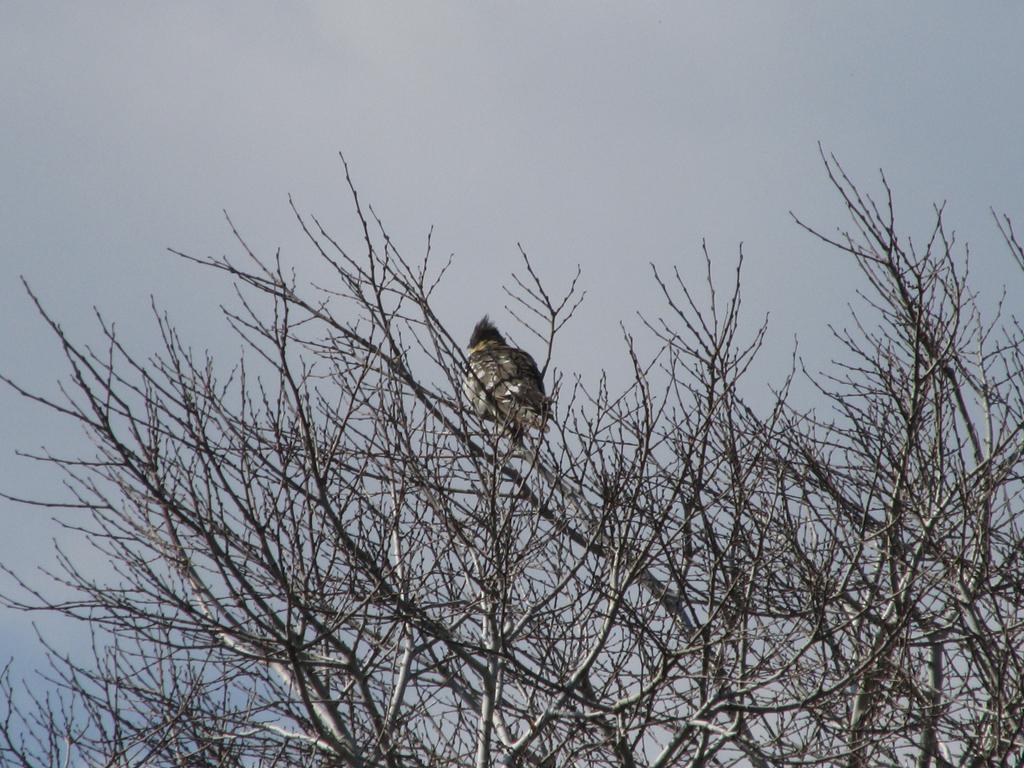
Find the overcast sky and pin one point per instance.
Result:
(605, 135)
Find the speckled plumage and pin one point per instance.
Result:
(503, 383)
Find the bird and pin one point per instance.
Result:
(503, 383)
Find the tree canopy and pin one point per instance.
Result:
(325, 558)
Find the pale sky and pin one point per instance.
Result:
(605, 135)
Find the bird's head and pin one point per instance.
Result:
(485, 332)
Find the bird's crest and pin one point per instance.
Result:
(485, 331)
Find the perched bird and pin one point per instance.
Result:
(503, 383)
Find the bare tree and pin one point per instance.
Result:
(324, 558)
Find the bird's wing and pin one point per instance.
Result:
(508, 378)
(504, 384)
(525, 382)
